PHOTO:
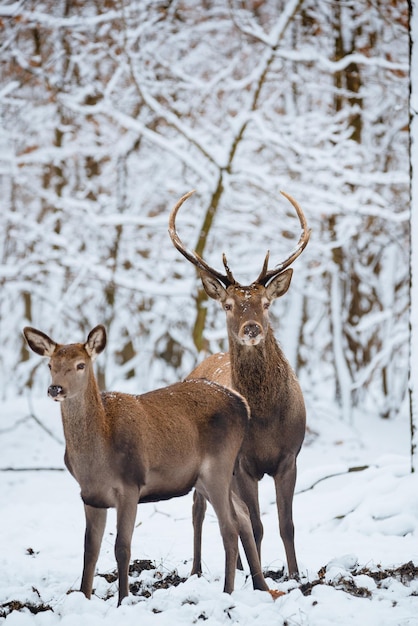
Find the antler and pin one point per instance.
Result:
(227, 279)
(265, 274)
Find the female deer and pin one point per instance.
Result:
(124, 449)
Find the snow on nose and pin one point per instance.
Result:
(252, 330)
(55, 390)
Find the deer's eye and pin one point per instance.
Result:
(266, 305)
(228, 306)
(81, 366)
(49, 365)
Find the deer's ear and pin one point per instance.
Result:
(39, 342)
(96, 341)
(279, 285)
(213, 287)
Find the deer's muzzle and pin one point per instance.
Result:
(251, 333)
(56, 392)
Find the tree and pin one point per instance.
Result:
(112, 112)
(413, 363)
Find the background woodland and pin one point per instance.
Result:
(113, 109)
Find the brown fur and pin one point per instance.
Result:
(124, 449)
(262, 374)
(257, 368)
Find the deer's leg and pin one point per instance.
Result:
(247, 539)
(95, 526)
(219, 494)
(198, 514)
(126, 514)
(228, 525)
(285, 481)
(247, 488)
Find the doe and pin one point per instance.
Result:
(257, 368)
(124, 449)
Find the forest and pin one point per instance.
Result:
(111, 110)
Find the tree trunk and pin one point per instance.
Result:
(413, 369)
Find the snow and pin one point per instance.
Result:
(355, 511)
(413, 232)
(129, 111)
(164, 122)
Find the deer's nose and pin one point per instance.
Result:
(252, 330)
(55, 390)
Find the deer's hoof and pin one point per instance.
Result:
(276, 594)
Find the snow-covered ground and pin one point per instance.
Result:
(349, 526)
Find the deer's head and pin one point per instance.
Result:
(246, 306)
(70, 365)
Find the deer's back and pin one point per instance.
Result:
(164, 437)
(216, 367)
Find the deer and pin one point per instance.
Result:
(257, 368)
(125, 449)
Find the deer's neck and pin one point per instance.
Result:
(259, 373)
(85, 428)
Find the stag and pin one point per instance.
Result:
(125, 449)
(257, 368)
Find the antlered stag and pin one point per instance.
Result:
(124, 449)
(257, 368)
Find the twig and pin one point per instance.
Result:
(32, 469)
(38, 421)
(349, 470)
(46, 429)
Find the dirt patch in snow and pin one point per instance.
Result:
(404, 574)
(145, 586)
